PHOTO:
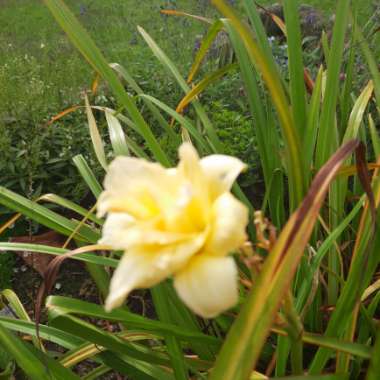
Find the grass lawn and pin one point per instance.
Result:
(33, 47)
(35, 55)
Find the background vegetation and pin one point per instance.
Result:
(314, 282)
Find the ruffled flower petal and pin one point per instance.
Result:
(146, 265)
(189, 166)
(189, 213)
(208, 285)
(221, 172)
(135, 186)
(230, 218)
(135, 270)
(122, 231)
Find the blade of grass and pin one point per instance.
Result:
(296, 67)
(117, 135)
(88, 175)
(96, 139)
(371, 62)
(48, 333)
(90, 333)
(202, 85)
(349, 72)
(311, 133)
(260, 33)
(34, 363)
(374, 136)
(207, 41)
(374, 367)
(327, 140)
(173, 12)
(45, 216)
(63, 202)
(55, 251)
(174, 349)
(357, 112)
(131, 320)
(17, 307)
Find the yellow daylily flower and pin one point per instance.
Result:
(181, 222)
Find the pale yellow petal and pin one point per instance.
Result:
(135, 270)
(147, 265)
(208, 285)
(189, 166)
(228, 225)
(221, 172)
(135, 186)
(122, 231)
(189, 213)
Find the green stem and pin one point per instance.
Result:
(295, 331)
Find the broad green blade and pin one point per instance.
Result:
(90, 333)
(310, 136)
(203, 84)
(296, 67)
(136, 369)
(46, 217)
(372, 63)
(346, 102)
(88, 175)
(34, 363)
(207, 41)
(55, 251)
(117, 135)
(374, 367)
(17, 307)
(47, 333)
(357, 112)
(63, 202)
(260, 33)
(374, 136)
(96, 139)
(328, 135)
(131, 320)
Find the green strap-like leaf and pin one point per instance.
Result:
(88, 175)
(33, 362)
